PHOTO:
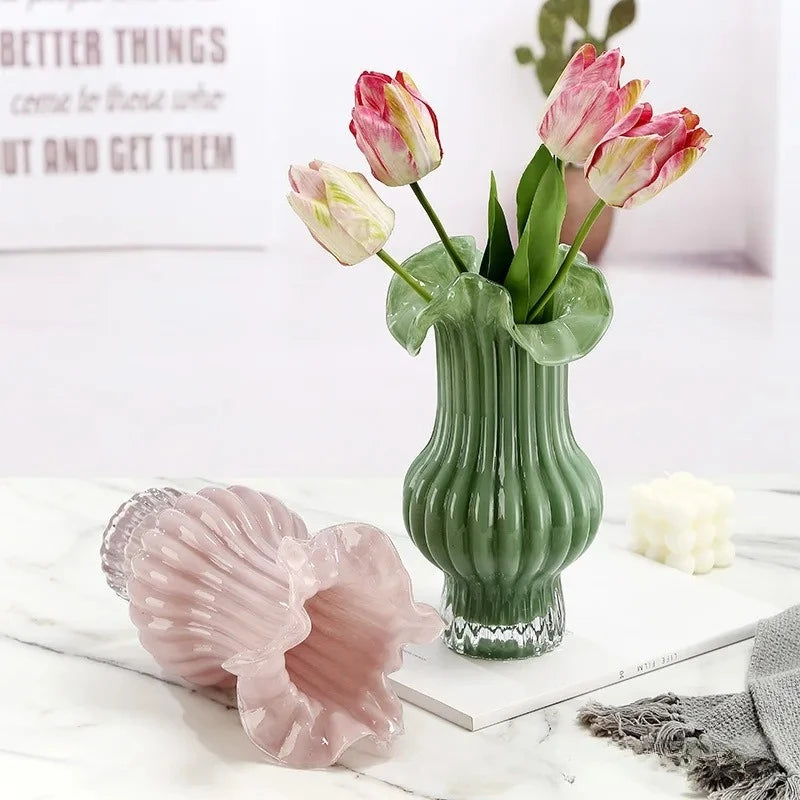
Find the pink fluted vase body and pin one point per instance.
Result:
(227, 587)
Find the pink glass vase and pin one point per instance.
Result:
(227, 588)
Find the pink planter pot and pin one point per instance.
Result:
(580, 199)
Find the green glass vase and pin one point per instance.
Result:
(501, 499)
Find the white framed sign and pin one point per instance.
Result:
(133, 123)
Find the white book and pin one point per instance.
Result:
(626, 615)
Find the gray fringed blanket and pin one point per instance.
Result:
(735, 746)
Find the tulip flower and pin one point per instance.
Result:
(637, 159)
(395, 128)
(341, 210)
(586, 102)
(631, 166)
(343, 213)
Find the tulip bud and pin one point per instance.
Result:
(586, 102)
(341, 210)
(631, 166)
(395, 128)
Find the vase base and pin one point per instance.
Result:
(505, 642)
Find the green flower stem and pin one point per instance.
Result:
(437, 223)
(406, 276)
(569, 258)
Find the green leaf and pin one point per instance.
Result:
(528, 184)
(499, 250)
(580, 12)
(620, 17)
(552, 23)
(582, 306)
(549, 68)
(535, 264)
(524, 55)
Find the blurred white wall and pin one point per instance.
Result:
(280, 361)
(787, 177)
(787, 168)
(764, 101)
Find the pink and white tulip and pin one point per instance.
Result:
(395, 128)
(586, 102)
(341, 210)
(633, 164)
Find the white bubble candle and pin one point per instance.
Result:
(683, 522)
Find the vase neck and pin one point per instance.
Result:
(482, 371)
(122, 536)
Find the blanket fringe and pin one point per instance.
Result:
(652, 725)
(726, 777)
(657, 725)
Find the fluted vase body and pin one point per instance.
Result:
(501, 499)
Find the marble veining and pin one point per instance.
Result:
(87, 712)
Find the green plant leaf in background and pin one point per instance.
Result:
(549, 67)
(553, 17)
(535, 263)
(528, 184)
(552, 24)
(580, 12)
(499, 250)
(582, 305)
(524, 55)
(620, 17)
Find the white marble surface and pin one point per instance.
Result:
(86, 713)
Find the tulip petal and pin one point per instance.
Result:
(606, 68)
(629, 96)
(577, 120)
(673, 169)
(369, 90)
(354, 205)
(636, 116)
(573, 73)
(405, 80)
(414, 124)
(660, 125)
(388, 156)
(699, 137)
(673, 141)
(690, 118)
(326, 230)
(307, 181)
(620, 166)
